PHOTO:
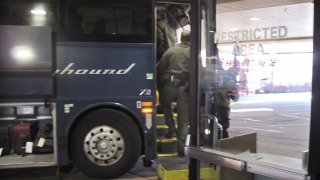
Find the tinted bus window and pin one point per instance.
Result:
(28, 13)
(26, 36)
(106, 21)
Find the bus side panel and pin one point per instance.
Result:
(104, 70)
(104, 75)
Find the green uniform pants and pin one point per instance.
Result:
(169, 94)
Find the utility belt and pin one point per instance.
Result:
(176, 80)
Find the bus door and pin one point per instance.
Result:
(252, 90)
(171, 19)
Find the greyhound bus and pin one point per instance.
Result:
(82, 74)
(78, 85)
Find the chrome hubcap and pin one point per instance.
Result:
(104, 145)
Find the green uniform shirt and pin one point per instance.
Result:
(165, 38)
(175, 60)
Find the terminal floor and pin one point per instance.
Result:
(138, 172)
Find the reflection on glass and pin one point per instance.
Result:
(38, 15)
(257, 73)
(22, 53)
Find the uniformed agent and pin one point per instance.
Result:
(165, 40)
(165, 36)
(173, 71)
(225, 92)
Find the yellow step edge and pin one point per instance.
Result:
(166, 154)
(162, 115)
(162, 127)
(166, 127)
(166, 140)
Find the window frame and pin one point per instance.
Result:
(64, 36)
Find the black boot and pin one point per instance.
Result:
(181, 154)
(170, 134)
(225, 133)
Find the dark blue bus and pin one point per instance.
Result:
(83, 72)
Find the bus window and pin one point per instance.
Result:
(29, 13)
(31, 24)
(106, 21)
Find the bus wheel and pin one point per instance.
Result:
(105, 144)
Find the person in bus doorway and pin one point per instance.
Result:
(165, 40)
(226, 92)
(173, 71)
(165, 36)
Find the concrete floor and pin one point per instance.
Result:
(138, 172)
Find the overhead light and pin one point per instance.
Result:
(38, 15)
(38, 11)
(254, 19)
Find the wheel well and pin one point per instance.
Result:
(77, 120)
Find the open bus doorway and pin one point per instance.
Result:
(171, 19)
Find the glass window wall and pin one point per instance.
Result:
(255, 76)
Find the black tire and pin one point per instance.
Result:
(105, 144)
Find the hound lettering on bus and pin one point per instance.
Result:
(68, 70)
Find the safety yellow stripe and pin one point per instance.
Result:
(162, 115)
(165, 140)
(167, 154)
(162, 127)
